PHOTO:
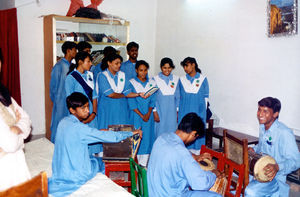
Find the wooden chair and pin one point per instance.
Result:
(237, 150)
(216, 155)
(138, 177)
(234, 167)
(209, 133)
(37, 186)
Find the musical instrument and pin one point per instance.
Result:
(221, 183)
(257, 162)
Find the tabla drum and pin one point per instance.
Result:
(257, 162)
(207, 165)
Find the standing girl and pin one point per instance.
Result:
(194, 92)
(141, 110)
(113, 88)
(167, 98)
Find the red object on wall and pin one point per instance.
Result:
(10, 72)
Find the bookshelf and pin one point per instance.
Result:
(58, 29)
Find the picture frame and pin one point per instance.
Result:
(282, 17)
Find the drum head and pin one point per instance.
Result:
(207, 165)
(259, 173)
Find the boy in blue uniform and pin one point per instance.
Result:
(128, 67)
(172, 170)
(71, 165)
(278, 141)
(57, 86)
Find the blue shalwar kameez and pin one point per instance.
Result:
(194, 92)
(167, 102)
(71, 165)
(143, 106)
(96, 70)
(129, 69)
(172, 170)
(58, 94)
(112, 111)
(72, 85)
(278, 142)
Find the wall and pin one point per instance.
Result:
(30, 24)
(228, 39)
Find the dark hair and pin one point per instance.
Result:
(79, 56)
(167, 60)
(111, 57)
(76, 99)
(190, 60)
(130, 45)
(108, 50)
(270, 102)
(192, 122)
(141, 62)
(83, 45)
(68, 45)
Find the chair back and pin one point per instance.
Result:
(37, 186)
(138, 176)
(216, 155)
(234, 167)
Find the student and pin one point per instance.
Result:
(167, 98)
(84, 46)
(71, 165)
(97, 69)
(172, 170)
(141, 110)
(194, 91)
(113, 88)
(15, 126)
(278, 141)
(57, 86)
(128, 67)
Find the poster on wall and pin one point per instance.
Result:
(282, 17)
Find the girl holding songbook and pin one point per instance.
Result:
(194, 92)
(167, 98)
(141, 109)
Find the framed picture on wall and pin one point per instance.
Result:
(282, 17)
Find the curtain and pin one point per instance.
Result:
(10, 73)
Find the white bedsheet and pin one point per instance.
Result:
(38, 154)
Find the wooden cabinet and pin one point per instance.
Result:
(70, 27)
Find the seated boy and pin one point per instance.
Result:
(71, 165)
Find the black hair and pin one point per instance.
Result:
(108, 50)
(270, 102)
(141, 62)
(83, 45)
(5, 98)
(79, 56)
(111, 57)
(68, 45)
(192, 122)
(76, 99)
(130, 45)
(190, 60)
(167, 60)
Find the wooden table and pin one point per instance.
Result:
(218, 133)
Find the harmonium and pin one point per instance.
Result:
(123, 150)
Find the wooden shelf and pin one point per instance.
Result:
(98, 43)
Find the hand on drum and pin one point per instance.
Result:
(271, 170)
(201, 157)
(218, 173)
(138, 131)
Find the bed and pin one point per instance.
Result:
(38, 155)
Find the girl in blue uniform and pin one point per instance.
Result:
(113, 88)
(167, 98)
(194, 92)
(141, 110)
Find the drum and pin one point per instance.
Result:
(257, 162)
(221, 183)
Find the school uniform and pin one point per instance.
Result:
(172, 170)
(112, 111)
(167, 103)
(72, 166)
(96, 70)
(143, 106)
(58, 94)
(278, 142)
(194, 92)
(129, 69)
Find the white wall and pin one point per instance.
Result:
(228, 38)
(140, 13)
